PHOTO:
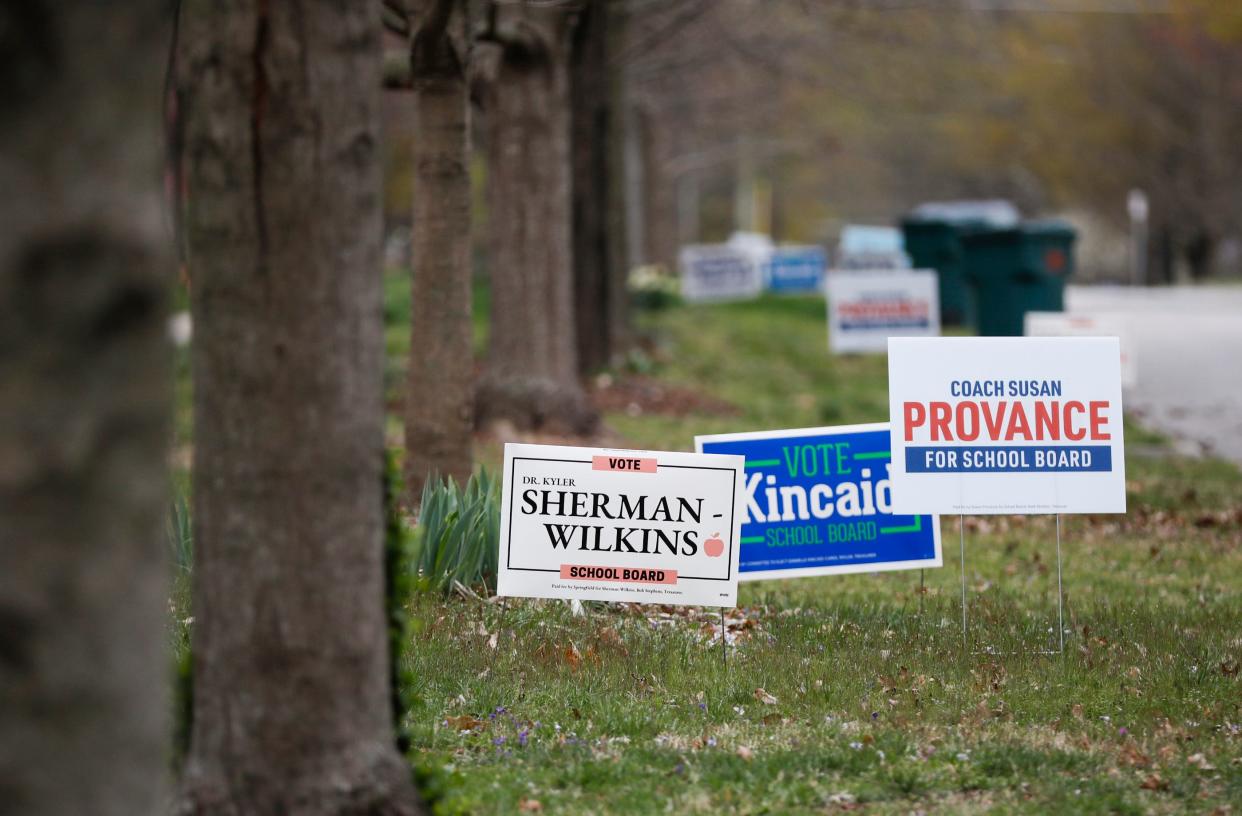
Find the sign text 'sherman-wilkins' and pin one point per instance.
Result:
(608, 525)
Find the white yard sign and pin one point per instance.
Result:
(1066, 324)
(867, 308)
(1006, 425)
(719, 272)
(598, 524)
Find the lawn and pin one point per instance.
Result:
(853, 693)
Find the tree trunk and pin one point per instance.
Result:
(601, 298)
(85, 381)
(439, 402)
(291, 664)
(532, 360)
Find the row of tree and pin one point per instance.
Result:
(545, 79)
(275, 136)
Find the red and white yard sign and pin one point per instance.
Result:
(598, 524)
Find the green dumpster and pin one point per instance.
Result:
(1016, 270)
(935, 243)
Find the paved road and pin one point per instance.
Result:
(1188, 348)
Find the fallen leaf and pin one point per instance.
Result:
(1200, 762)
(610, 637)
(491, 641)
(464, 723)
(1154, 782)
(1076, 710)
(530, 806)
(572, 656)
(745, 753)
(765, 698)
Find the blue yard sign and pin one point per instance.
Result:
(818, 502)
(796, 269)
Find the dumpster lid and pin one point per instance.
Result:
(985, 213)
(1044, 228)
(1051, 227)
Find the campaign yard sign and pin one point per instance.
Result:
(1078, 324)
(817, 503)
(598, 524)
(867, 308)
(718, 272)
(986, 425)
(796, 269)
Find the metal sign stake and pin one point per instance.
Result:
(961, 532)
(1060, 595)
(724, 644)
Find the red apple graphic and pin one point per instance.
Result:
(713, 546)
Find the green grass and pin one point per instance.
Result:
(878, 706)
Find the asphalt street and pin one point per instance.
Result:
(1187, 342)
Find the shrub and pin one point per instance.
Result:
(458, 533)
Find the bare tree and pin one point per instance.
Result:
(439, 400)
(532, 370)
(85, 379)
(291, 664)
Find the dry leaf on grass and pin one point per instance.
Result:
(1154, 782)
(1200, 762)
(464, 723)
(530, 806)
(745, 753)
(1131, 755)
(765, 698)
(572, 656)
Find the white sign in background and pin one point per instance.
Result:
(1077, 324)
(600, 524)
(865, 308)
(711, 272)
(989, 425)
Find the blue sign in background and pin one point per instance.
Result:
(796, 269)
(796, 530)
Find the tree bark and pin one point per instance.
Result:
(532, 373)
(291, 664)
(85, 382)
(439, 403)
(601, 299)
